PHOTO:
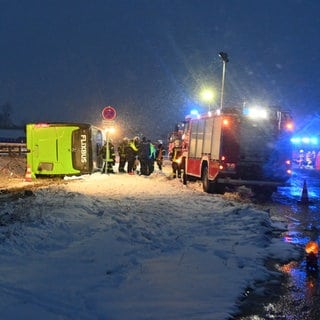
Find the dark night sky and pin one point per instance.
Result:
(66, 60)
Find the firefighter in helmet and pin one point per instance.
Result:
(122, 151)
(110, 162)
(159, 156)
(175, 156)
(132, 153)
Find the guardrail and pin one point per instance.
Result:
(12, 148)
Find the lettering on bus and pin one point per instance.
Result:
(83, 142)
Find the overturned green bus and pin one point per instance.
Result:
(63, 148)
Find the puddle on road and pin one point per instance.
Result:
(295, 294)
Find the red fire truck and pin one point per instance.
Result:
(249, 147)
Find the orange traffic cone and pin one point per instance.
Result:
(304, 196)
(28, 176)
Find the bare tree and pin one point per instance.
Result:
(5, 116)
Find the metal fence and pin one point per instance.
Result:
(12, 148)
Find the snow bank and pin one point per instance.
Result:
(131, 247)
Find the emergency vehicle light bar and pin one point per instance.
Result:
(256, 113)
(304, 140)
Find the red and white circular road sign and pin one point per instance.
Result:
(109, 113)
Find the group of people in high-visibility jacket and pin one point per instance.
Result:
(132, 153)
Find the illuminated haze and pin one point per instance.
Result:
(66, 60)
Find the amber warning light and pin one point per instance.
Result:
(225, 122)
(289, 126)
(312, 247)
(312, 250)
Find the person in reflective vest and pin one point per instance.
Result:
(122, 149)
(175, 157)
(110, 162)
(152, 157)
(143, 155)
(131, 152)
(159, 156)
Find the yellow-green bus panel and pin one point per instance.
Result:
(63, 148)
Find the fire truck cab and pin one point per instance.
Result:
(249, 147)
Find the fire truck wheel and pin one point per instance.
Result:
(184, 174)
(206, 183)
(184, 178)
(211, 186)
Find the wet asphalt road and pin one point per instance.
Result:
(294, 291)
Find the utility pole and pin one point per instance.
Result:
(224, 57)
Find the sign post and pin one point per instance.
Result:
(108, 114)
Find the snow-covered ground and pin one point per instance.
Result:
(131, 247)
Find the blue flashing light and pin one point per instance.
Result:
(194, 112)
(245, 111)
(305, 140)
(255, 112)
(314, 140)
(295, 140)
